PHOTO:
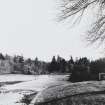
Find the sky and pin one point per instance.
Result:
(29, 28)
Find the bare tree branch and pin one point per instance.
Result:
(73, 7)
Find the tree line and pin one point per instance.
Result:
(81, 69)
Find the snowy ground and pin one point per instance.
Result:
(11, 94)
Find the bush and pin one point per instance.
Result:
(80, 73)
(26, 100)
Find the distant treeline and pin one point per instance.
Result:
(81, 68)
(19, 65)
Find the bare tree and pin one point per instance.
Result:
(73, 7)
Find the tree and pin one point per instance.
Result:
(80, 73)
(36, 61)
(2, 56)
(28, 61)
(63, 66)
(71, 61)
(83, 61)
(18, 64)
(59, 59)
(53, 66)
(81, 70)
(78, 7)
(98, 66)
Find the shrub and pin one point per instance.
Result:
(80, 73)
(26, 100)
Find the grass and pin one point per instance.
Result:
(87, 99)
(82, 93)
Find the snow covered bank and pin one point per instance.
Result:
(16, 77)
(37, 83)
(11, 94)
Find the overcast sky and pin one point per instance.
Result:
(28, 28)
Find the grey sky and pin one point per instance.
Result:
(28, 27)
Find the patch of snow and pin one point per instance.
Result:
(37, 84)
(10, 98)
(10, 94)
(16, 77)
